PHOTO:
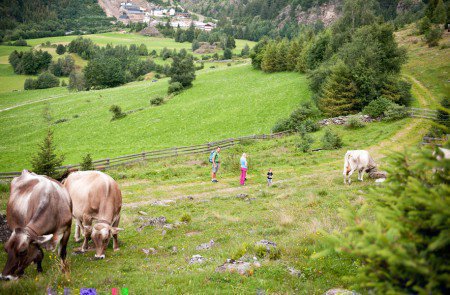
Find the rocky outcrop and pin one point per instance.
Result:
(150, 31)
(326, 13)
(408, 5)
(342, 120)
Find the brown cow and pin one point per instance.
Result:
(39, 213)
(95, 196)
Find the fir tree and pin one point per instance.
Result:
(281, 55)
(439, 13)
(293, 55)
(182, 69)
(338, 95)
(46, 161)
(269, 60)
(87, 163)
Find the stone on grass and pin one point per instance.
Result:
(152, 221)
(205, 246)
(266, 244)
(238, 266)
(338, 291)
(294, 272)
(197, 259)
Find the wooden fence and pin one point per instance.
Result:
(423, 113)
(104, 164)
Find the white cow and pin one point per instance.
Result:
(357, 160)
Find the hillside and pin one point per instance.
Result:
(39, 18)
(225, 102)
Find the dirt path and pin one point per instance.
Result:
(31, 102)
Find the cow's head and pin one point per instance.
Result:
(22, 249)
(101, 234)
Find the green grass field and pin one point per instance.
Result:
(225, 102)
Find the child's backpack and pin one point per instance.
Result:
(211, 156)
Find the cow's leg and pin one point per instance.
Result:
(62, 249)
(350, 176)
(87, 235)
(38, 259)
(77, 230)
(115, 236)
(361, 174)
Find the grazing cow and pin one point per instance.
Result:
(39, 213)
(95, 196)
(359, 160)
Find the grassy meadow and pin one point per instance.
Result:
(12, 82)
(302, 203)
(225, 102)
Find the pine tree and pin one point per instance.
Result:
(293, 55)
(87, 163)
(338, 95)
(182, 69)
(281, 55)
(439, 13)
(269, 60)
(46, 161)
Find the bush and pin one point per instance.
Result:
(87, 163)
(20, 42)
(395, 112)
(156, 101)
(433, 36)
(305, 143)
(186, 218)
(424, 25)
(400, 237)
(77, 82)
(303, 118)
(117, 112)
(63, 83)
(175, 87)
(376, 107)
(354, 122)
(44, 80)
(62, 120)
(60, 49)
(331, 140)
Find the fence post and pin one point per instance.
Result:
(175, 151)
(107, 163)
(143, 156)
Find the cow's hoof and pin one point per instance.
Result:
(116, 249)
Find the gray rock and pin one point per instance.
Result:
(242, 196)
(294, 272)
(174, 249)
(267, 244)
(197, 259)
(152, 221)
(164, 203)
(238, 266)
(142, 213)
(149, 251)
(168, 226)
(205, 246)
(338, 291)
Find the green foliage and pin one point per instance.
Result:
(44, 80)
(182, 69)
(30, 62)
(60, 49)
(400, 235)
(104, 72)
(397, 90)
(175, 87)
(377, 107)
(46, 160)
(331, 140)
(20, 42)
(424, 25)
(227, 53)
(117, 112)
(433, 36)
(395, 112)
(87, 164)
(157, 100)
(305, 144)
(300, 119)
(195, 45)
(77, 82)
(63, 67)
(355, 122)
(339, 92)
(84, 47)
(443, 116)
(439, 13)
(30, 19)
(245, 51)
(186, 218)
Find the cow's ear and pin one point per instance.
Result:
(43, 239)
(116, 230)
